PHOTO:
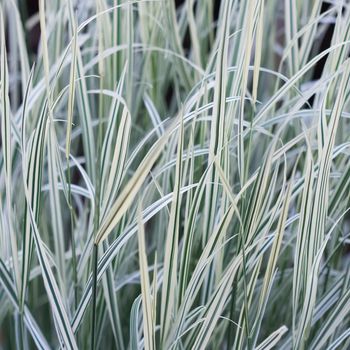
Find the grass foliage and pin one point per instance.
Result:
(175, 176)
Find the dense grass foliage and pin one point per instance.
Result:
(175, 176)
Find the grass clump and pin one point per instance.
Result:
(175, 175)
